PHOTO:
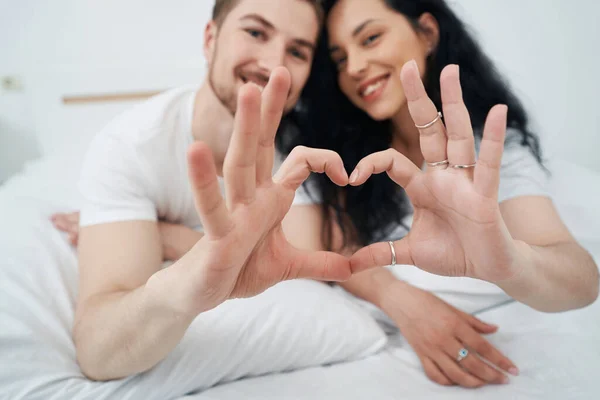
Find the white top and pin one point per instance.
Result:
(136, 167)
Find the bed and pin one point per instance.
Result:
(274, 348)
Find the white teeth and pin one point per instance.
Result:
(372, 88)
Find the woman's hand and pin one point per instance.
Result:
(457, 228)
(176, 239)
(437, 332)
(69, 224)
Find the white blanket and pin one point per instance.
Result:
(559, 355)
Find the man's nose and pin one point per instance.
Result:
(272, 57)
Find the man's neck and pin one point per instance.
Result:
(212, 123)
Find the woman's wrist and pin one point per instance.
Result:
(393, 299)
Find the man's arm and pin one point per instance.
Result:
(124, 324)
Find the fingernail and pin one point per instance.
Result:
(354, 176)
(514, 371)
(505, 380)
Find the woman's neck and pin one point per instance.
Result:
(406, 137)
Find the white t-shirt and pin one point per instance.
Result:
(136, 167)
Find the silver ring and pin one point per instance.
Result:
(466, 166)
(393, 264)
(436, 119)
(462, 354)
(438, 164)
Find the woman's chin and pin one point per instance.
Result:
(380, 113)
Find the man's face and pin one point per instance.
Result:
(256, 37)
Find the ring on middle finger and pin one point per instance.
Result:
(439, 164)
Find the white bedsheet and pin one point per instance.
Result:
(559, 358)
(559, 355)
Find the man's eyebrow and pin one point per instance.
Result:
(268, 25)
(355, 32)
(259, 19)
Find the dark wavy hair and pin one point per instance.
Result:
(327, 119)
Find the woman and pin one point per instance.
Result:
(394, 64)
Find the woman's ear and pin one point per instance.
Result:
(210, 37)
(429, 32)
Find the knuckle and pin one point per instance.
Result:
(450, 323)
(298, 152)
(472, 383)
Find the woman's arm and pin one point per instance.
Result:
(554, 272)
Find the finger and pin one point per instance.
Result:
(487, 172)
(423, 111)
(398, 167)
(73, 239)
(207, 193)
(474, 365)
(456, 373)
(479, 325)
(485, 349)
(322, 265)
(298, 166)
(380, 255)
(274, 97)
(73, 218)
(476, 323)
(461, 142)
(63, 225)
(239, 168)
(434, 373)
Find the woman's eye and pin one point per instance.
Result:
(339, 63)
(371, 39)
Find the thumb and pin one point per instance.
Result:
(381, 255)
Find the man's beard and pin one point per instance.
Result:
(226, 96)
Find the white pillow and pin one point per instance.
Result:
(293, 325)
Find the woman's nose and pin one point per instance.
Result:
(356, 65)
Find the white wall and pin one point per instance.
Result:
(546, 47)
(42, 41)
(549, 50)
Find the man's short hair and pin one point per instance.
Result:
(223, 7)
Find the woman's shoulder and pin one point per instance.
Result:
(521, 173)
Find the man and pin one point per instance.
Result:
(130, 314)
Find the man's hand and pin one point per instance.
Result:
(244, 250)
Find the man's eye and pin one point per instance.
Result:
(298, 54)
(255, 33)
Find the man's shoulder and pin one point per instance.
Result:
(151, 118)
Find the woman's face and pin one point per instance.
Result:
(369, 43)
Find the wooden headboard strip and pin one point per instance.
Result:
(109, 98)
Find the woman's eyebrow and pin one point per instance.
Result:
(355, 32)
